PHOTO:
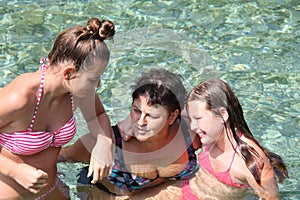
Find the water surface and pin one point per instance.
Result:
(254, 46)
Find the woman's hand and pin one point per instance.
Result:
(102, 159)
(126, 129)
(29, 177)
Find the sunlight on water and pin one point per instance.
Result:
(254, 46)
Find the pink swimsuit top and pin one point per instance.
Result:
(30, 142)
(224, 177)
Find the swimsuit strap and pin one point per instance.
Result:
(44, 64)
(119, 157)
(72, 102)
(240, 135)
(38, 101)
(118, 137)
(229, 167)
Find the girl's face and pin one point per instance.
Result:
(148, 121)
(204, 123)
(85, 81)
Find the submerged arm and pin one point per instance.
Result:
(268, 188)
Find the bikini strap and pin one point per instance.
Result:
(44, 64)
(41, 88)
(118, 137)
(229, 167)
(240, 135)
(72, 102)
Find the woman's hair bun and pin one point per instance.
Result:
(104, 29)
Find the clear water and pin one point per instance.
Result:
(253, 45)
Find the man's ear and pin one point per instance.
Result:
(69, 73)
(224, 114)
(173, 116)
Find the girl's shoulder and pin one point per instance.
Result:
(262, 157)
(253, 145)
(16, 98)
(22, 90)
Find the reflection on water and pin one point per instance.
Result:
(254, 46)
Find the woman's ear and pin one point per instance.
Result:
(224, 114)
(173, 116)
(69, 73)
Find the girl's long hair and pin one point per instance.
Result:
(217, 94)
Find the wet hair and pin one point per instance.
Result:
(217, 94)
(161, 87)
(75, 44)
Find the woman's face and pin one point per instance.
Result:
(148, 122)
(204, 123)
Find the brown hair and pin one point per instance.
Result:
(162, 87)
(75, 44)
(217, 94)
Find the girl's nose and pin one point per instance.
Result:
(194, 125)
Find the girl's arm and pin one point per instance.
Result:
(81, 150)
(268, 189)
(99, 127)
(27, 176)
(13, 102)
(78, 151)
(13, 105)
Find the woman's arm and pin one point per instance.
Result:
(125, 128)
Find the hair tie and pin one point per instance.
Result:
(44, 63)
(89, 29)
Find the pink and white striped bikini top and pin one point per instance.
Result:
(29, 142)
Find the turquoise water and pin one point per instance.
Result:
(253, 45)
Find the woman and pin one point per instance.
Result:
(37, 113)
(231, 159)
(160, 147)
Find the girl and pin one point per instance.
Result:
(37, 113)
(230, 153)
